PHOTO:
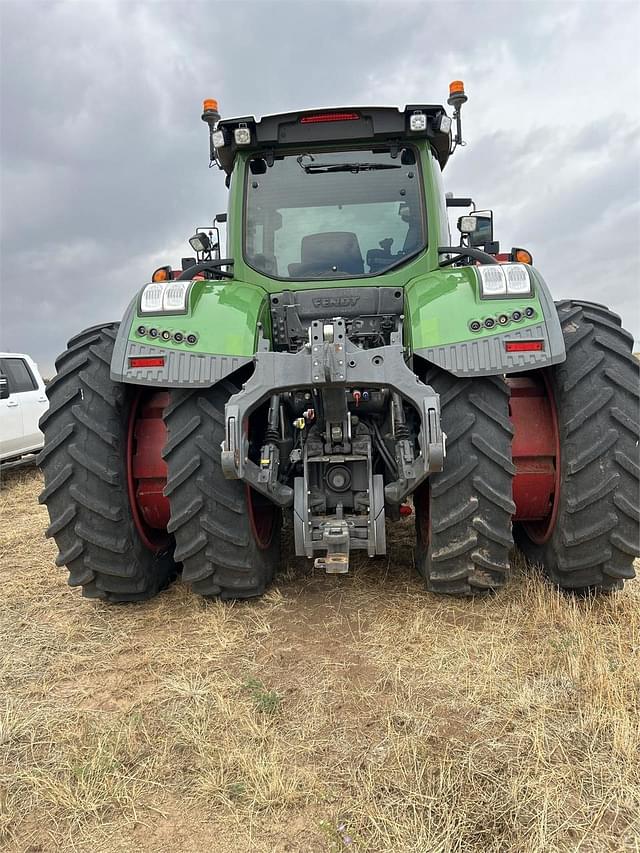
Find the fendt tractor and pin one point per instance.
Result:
(342, 365)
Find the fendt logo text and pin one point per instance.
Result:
(335, 301)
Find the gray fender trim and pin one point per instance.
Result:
(488, 356)
(181, 368)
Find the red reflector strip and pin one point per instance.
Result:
(147, 361)
(316, 119)
(524, 346)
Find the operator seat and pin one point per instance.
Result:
(319, 253)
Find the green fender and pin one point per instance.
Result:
(442, 305)
(227, 318)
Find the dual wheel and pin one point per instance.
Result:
(135, 489)
(126, 520)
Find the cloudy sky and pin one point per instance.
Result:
(104, 157)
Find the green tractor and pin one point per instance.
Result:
(343, 365)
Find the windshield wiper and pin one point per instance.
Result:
(354, 168)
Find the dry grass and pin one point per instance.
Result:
(356, 713)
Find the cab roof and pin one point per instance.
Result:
(336, 124)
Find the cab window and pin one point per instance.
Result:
(333, 215)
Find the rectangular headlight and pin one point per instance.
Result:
(151, 299)
(493, 281)
(175, 296)
(218, 138)
(160, 298)
(518, 279)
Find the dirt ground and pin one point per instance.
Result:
(338, 713)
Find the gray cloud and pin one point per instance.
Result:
(104, 155)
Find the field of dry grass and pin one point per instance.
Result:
(338, 713)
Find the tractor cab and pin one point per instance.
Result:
(328, 195)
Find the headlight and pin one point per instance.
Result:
(161, 298)
(175, 296)
(504, 280)
(518, 280)
(493, 281)
(151, 299)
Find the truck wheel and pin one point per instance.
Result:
(592, 536)
(463, 513)
(227, 536)
(84, 460)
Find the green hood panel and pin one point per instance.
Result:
(224, 316)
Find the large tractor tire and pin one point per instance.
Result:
(227, 537)
(463, 514)
(84, 460)
(592, 537)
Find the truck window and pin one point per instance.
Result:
(18, 375)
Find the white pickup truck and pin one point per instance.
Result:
(22, 402)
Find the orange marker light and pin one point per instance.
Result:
(161, 274)
(210, 105)
(522, 256)
(456, 87)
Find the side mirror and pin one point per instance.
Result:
(478, 228)
(4, 387)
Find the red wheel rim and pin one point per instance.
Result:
(536, 454)
(262, 518)
(147, 470)
(540, 531)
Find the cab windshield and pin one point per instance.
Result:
(338, 214)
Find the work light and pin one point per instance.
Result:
(200, 242)
(242, 135)
(218, 138)
(444, 123)
(418, 121)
